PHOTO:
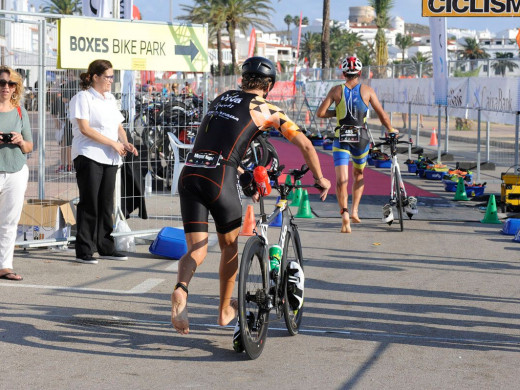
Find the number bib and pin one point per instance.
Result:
(203, 160)
(350, 134)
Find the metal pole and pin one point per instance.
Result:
(42, 104)
(517, 130)
(447, 131)
(478, 146)
(206, 92)
(417, 131)
(488, 134)
(439, 133)
(409, 120)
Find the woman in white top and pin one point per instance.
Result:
(99, 141)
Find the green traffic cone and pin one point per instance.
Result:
(461, 190)
(288, 180)
(491, 212)
(291, 194)
(297, 197)
(304, 211)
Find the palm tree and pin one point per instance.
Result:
(471, 50)
(211, 12)
(503, 63)
(65, 7)
(366, 54)
(288, 21)
(242, 14)
(403, 42)
(382, 9)
(296, 20)
(305, 20)
(423, 64)
(325, 37)
(311, 44)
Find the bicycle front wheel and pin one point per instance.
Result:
(253, 298)
(292, 310)
(398, 197)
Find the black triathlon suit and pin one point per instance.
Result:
(233, 120)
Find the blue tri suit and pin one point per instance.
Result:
(351, 110)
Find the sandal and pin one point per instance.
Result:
(11, 276)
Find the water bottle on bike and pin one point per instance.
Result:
(275, 258)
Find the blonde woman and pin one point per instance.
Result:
(15, 143)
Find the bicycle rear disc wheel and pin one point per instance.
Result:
(398, 197)
(292, 252)
(253, 311)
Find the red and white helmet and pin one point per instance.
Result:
(351, 65)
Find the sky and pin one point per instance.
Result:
(409, 10)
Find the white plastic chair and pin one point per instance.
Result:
(175, 145)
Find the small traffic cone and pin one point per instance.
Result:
(433, 138)
(291, 194)
(249, 222)
(307, 118)
(461, 193)
(277, 222)
(304, 211)
(491, 212)
(297, 197)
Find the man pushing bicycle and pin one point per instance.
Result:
(208, 182)
(351, 138)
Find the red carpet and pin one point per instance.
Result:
(376, 183)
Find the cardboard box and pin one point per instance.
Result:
(45, 219)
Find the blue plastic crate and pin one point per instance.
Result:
(170, 242)
(420, 172)
(317, 142)
(412, 168)
(475, 191)
(433, 175)
(382, 163)
(450, 185)
(327, 145)
(511, 226)
(370, 161)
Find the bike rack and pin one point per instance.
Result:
(175, 145)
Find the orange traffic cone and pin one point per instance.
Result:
(307, 118)
(249, 222)
(433, 138)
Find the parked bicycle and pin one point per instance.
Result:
(398, 196)
(260, 289)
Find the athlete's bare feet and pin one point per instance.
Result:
(355, 218)
(228, 313)
(180, 311)
(345, 223)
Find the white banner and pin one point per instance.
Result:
(497, 97)
(105, 8)
(439, 58)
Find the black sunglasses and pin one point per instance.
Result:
(3, 83)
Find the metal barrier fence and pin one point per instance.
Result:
(48, 90)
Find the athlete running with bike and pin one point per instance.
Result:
(208, 182)
(351, 138)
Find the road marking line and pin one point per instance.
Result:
(141, 288)
(173, 267)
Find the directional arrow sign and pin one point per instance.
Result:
(190, 50)
(133, 45)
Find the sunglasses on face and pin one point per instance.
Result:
(11, 84)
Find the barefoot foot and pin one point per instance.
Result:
(345, 225)
(180, 312)
(355, 218)
(228, 313)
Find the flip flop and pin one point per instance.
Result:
(6, 276)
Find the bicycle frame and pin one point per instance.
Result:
(287, 224)
(395, 167)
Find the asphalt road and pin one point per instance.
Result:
(434, 307)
